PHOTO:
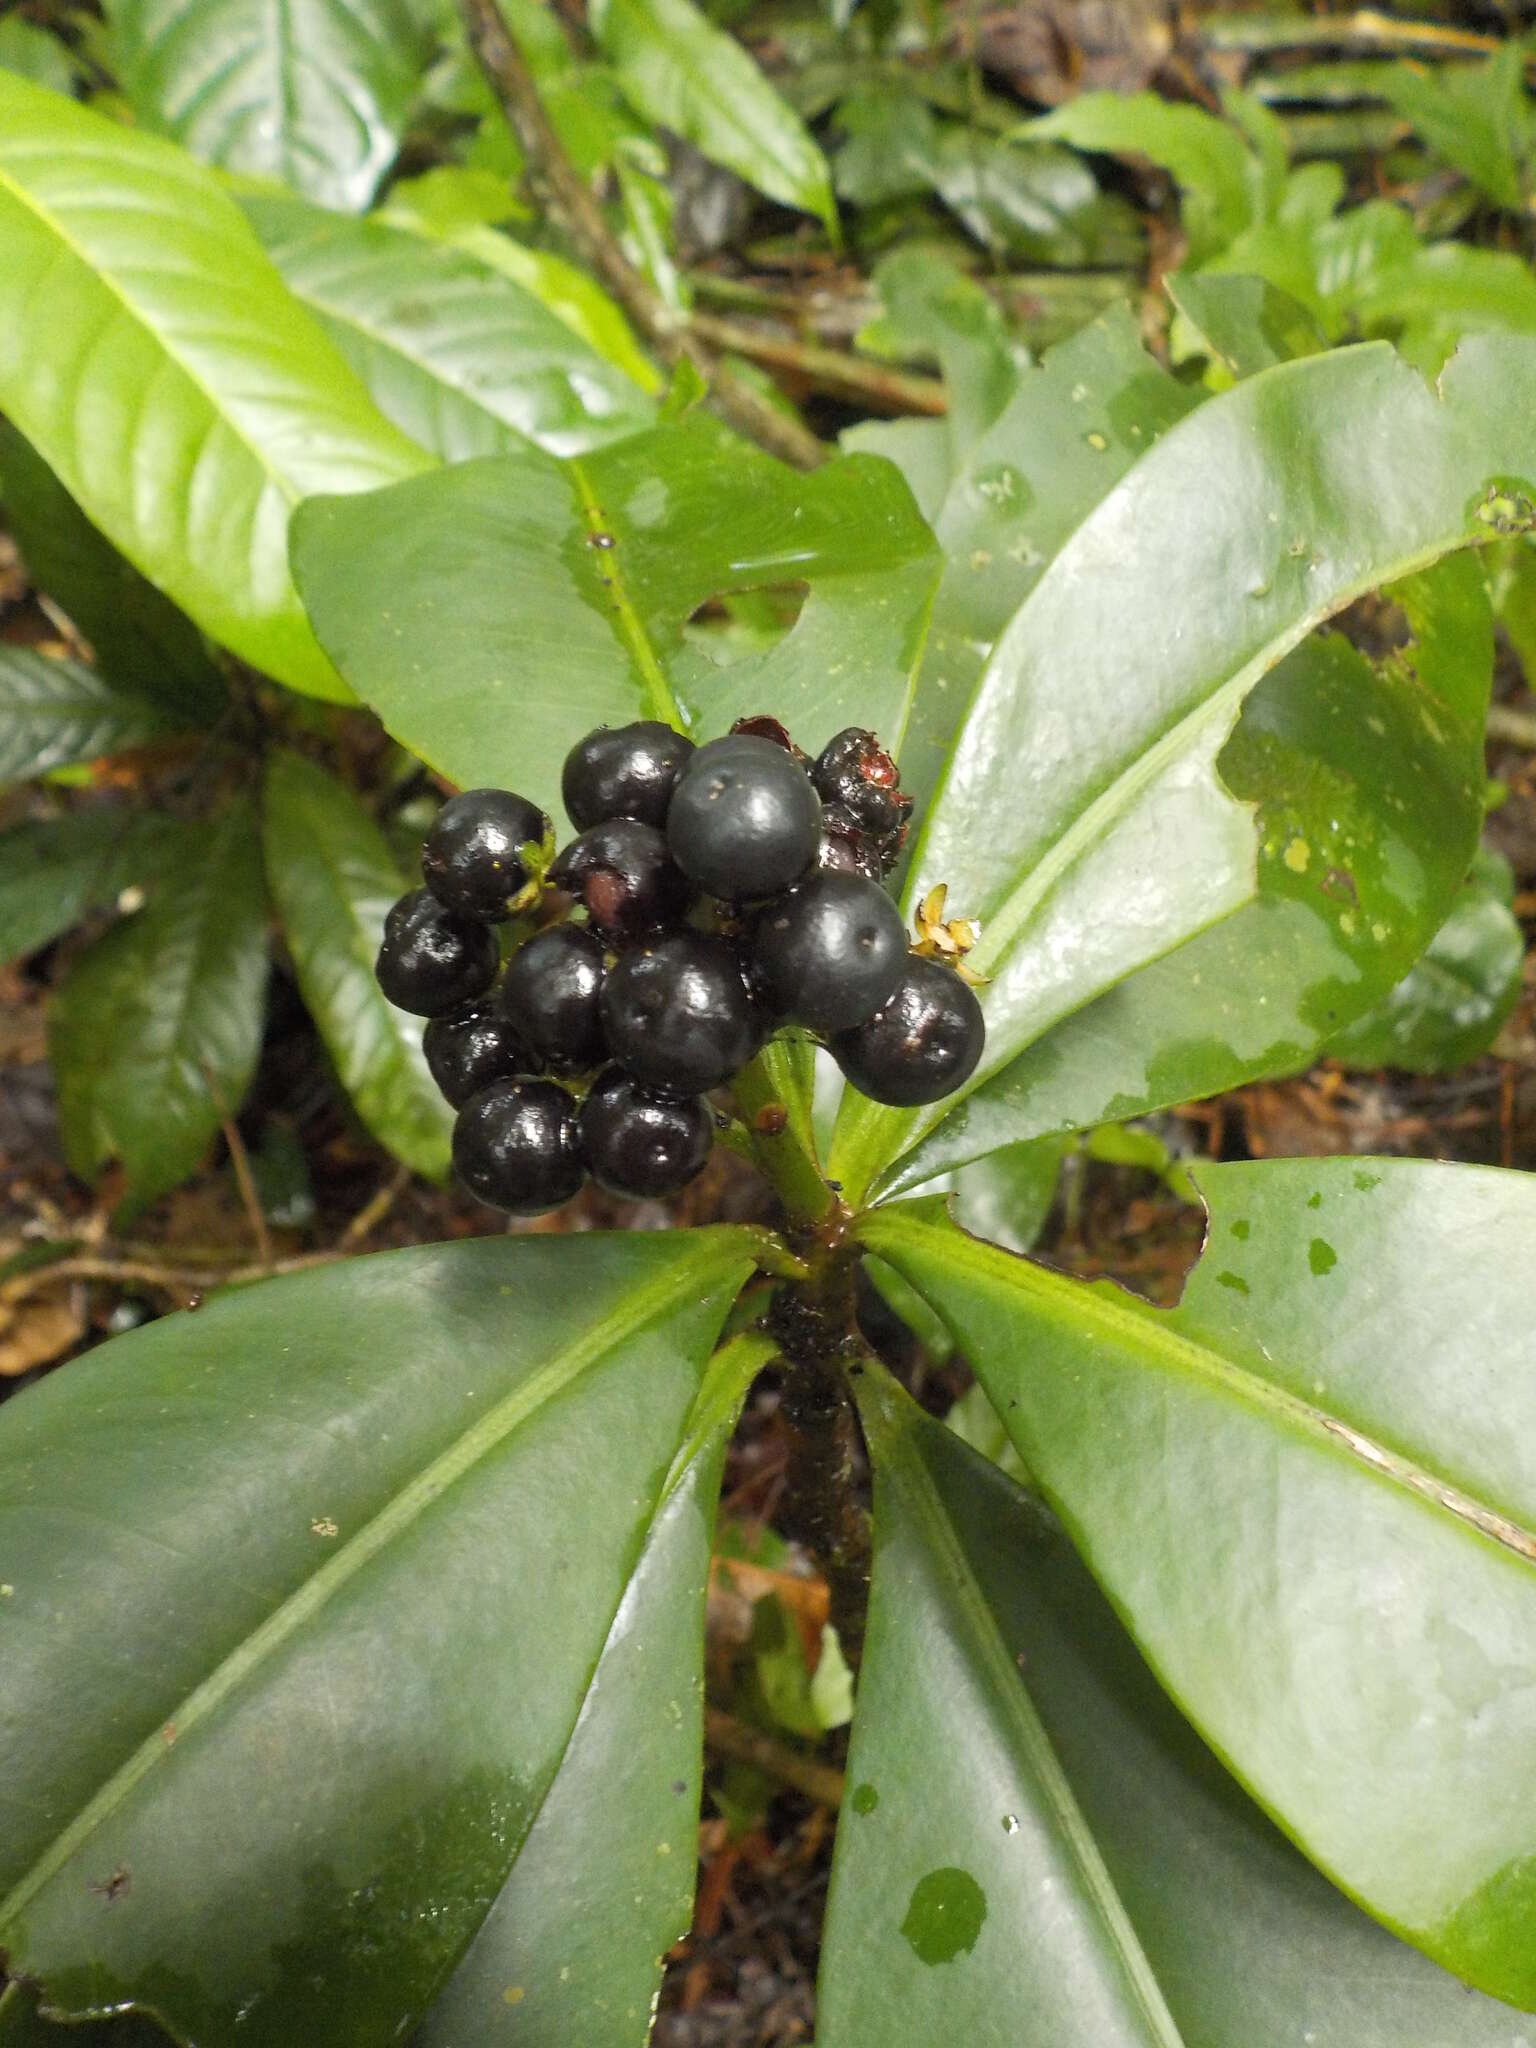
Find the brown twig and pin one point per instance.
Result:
(746, 1745)
(1367, 28)
(240, 1160)
(570, 204)
(1516, 727)
(172, 1280)
(830, 369)
(372, 1213)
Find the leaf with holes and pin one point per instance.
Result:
(333, 879)
(155, 360)
(1310, 1491)
(315, 93)
(492, 612)
(1096, 810)
(462, 358)
(1037, 1847)
(155, 1032)
(301, 1531)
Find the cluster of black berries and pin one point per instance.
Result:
(711, 895)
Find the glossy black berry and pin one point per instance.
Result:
(679, 1014)
(921, 1045)
(551, 998)
(845, 848)
(515, 1145)
(640, 1144)
(432, 961)
(624, 874)
(745, 820)
(829, 953)
(469, 1050)
(623, 771)
(472, 859)
(853, 770)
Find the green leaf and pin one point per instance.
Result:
(1245, 323)
(55, 712)
(155, 1032)
(333, 879)
(1023, 481)
(490, 612)
(1449, 1006)
(53, 872)
(20, 2027)
(680, 71)
(1220, 178)
(1082, 816)
(360, 1550)
(1008, 1730)
(153, 357)
(140, 638)
(315, 93)
(460, 357)
(1309, 1490)
(1261, 991)
(36, 55)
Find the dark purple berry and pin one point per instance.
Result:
(623, 771)
(515, 1145)
(469, 1050)
(854, 771)
(763, 727)
(830, 952)
(473, 856)
(921, 1045)
(551, 996)
(679, 1014)
(625, 876)
(432, 961)
(845, 848)
(744, 821)
(640, 1144)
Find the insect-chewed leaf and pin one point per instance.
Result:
(1311, 1493)
(360, 1552)
(492, 612)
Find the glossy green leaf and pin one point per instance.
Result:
(139, 636)
(159, 1021)
(22, 2027)
(354, 1548)
(1026, 477)
(1008, 1730)
(492, 612)
(36, 55)
(1325, 937)
(55, 712)
(1089, 751)
(1449, 1006)
(333, 879)
(54, 871)
(680, 71)
(1219, 177)
(153, 357)
(459, 356)
(1309, 1490)
(315, 93)
(1245, 323)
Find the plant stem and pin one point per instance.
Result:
(571, 205)
(815, 1328)
(829, 369)
(747, 1745)
(775, 1105)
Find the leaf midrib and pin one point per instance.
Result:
(659, 700)
(637, 1309)
(1074, 1303)
(908, 1471)
(29, 203)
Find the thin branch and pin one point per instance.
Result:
(1517, 727)
(829, 369)
(570, 204)
(240, 1160)
(1368, 28)
(746, 1745)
